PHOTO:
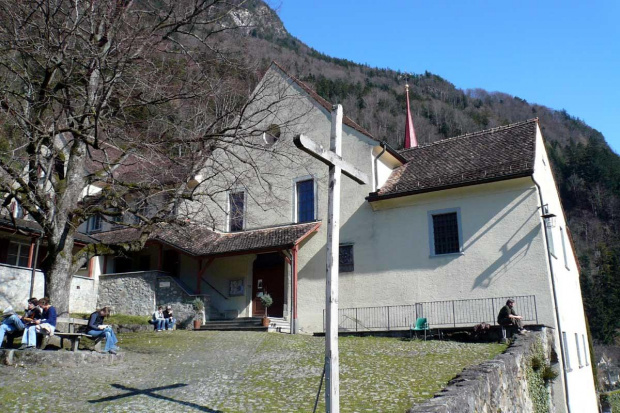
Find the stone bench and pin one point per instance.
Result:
(75, 336)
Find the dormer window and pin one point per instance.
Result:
(271, 135)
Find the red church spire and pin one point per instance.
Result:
(410, 139)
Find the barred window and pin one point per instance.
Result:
(345, 258)
(237, 211)
(446, 233)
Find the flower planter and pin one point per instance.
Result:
(266, 321)
(197, 324)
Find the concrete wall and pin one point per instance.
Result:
(83, 295)
(498, 385)
(15, 286)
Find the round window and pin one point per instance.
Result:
(272, 134)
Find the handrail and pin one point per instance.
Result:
(214, 289)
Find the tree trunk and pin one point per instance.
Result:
(58, 282)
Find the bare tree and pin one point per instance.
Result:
(109, 108)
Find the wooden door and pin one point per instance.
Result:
(268, 278)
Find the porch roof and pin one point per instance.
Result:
(29, 227)
(199, 240)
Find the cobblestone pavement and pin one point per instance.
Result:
(184, 371)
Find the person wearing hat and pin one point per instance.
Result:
(169, 319)
(13, 323)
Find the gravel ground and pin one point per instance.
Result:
(183, 371)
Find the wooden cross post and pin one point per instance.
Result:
(336, 165)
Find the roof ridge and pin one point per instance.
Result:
(470, 134)
(324, 102)
(291, 224)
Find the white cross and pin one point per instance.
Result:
(333, 159)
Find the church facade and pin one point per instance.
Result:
(446, 231)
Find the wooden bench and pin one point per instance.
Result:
(73, 334)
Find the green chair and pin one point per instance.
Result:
(421, 324)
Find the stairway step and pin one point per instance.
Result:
(232, 328)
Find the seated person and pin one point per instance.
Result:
(158, 319)
(507, 317)
(45, 325)
(170, 320)
(13, 323)
(96, 328)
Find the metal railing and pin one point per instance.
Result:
(450, 313)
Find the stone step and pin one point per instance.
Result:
(239, 321)
(207, 327)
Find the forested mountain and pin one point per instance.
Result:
(586, 169)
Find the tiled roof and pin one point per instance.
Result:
(321, 101)
(201, 241)
(490, 155)
(32, 227)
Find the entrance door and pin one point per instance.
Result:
(268, 278)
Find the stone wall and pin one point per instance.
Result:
(128, 293)
(140, 293)
(170, 292)
(498, 385)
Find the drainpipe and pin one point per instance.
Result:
(34, 266)
(555, 302)
(383, 145)
(295, 329)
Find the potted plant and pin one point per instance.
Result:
(199, 308)
(266, 301)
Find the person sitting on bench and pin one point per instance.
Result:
(158, 319)
(12, 323)
(508, 318)
(96, 328)
(169, 318)
(45, 325)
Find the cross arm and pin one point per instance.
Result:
(330, 158)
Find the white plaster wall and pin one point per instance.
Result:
(83, 297)
(15, 286)
(503, 252)
(579, 379)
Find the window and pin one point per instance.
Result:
(564, 248)
(578, 350)
(565, 348)
(18, 254)
(585, 349)
(18, 211)
(94, 223)
(236, 202)
(272, 134)
(305, 200)
(345, 258)
(444, 231)
(549, 230)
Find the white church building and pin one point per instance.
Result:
(446, 231)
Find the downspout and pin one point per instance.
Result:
(555, 305)
(295, 328)
(383, 145)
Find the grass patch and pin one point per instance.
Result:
(118, 318)
(376, 374)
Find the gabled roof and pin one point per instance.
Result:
(321, 101)
(199, 240)
(501, 153)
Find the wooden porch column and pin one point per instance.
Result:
(31, 253)
(91, 267)
(295, 325)
(201, 272)
(105, 264)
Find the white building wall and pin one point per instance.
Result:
(565, 268)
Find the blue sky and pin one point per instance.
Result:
(561, 54)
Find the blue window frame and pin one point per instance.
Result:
(305, 200)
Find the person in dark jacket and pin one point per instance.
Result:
(507, 317)
(45, 325)
(12, 323)
(169, 318)
(97, 328)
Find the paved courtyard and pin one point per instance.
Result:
(184, 371)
